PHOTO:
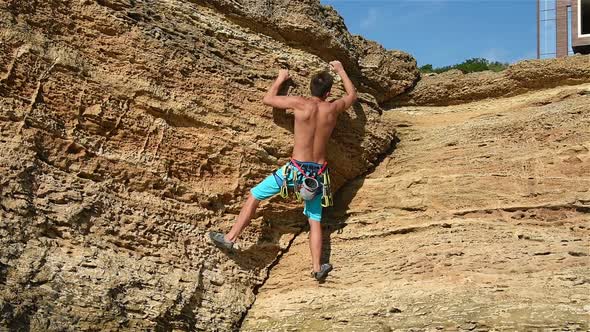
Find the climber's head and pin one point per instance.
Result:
(321, 84)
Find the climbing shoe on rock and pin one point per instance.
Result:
(219, 240)
(323, 273)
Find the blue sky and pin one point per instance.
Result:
(446, 32)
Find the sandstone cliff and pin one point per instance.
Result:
(130, 128)
(454, 87)
(478, 221)
(321, 31)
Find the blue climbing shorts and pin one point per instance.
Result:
(271, 186)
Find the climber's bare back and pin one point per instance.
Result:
(315, 118)
(314, 122)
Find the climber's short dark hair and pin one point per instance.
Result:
(321, 84)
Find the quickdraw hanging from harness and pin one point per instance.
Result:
(305, 184)
(284, 185)
(327, 199)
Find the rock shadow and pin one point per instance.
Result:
(280, 116)
(266, 251)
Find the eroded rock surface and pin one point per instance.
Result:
(454, 87)
(321, 31)
(479, 221)
(129, 129)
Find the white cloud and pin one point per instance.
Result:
(495, 54)
(370, 19)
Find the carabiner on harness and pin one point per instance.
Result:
(296, 186)
(327, 199)
(285, 185)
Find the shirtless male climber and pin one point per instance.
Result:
(307, 173)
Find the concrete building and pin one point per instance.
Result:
(579, 26)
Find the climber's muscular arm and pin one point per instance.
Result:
(273, 99)
(345, 102)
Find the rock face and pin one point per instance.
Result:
(479, 221)
(321, 31)
(380, 68)
(129, 129)
(454, 87)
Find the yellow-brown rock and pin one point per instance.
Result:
(306, 25)
(128, 129)
(478, 221)
(454, 87)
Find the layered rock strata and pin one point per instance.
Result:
(322, 32)
(454, 87)
(129, 129)
(479, 221)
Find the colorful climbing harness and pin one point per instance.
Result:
(306, 183)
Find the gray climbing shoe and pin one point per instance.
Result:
(219, 240)
(323, 273)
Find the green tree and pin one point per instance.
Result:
(426, 68)
(468, 66)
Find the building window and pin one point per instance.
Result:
(584, 17)
(547, 29)
(570, 50)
